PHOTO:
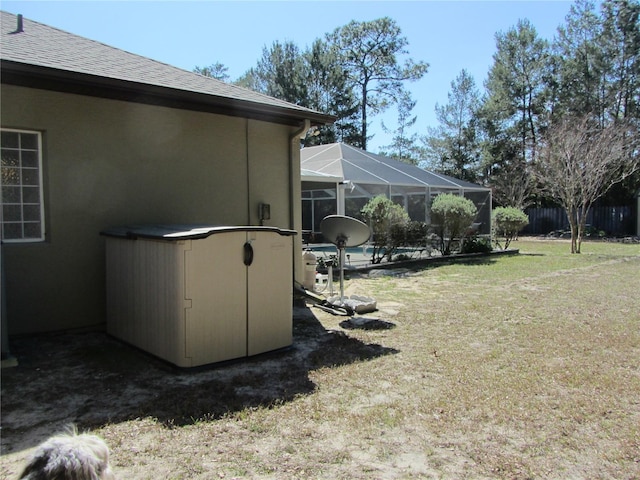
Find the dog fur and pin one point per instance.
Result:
(69, 456)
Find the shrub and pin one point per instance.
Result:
(476, 245)
(416, 234)
(387, 221)
(451, 216)
(507, 222)
(592, 232)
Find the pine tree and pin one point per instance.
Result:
(369, 53)
(453, 147)
(404, 144)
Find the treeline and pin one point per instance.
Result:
(588, 75)
(354, 72)
(590, 70)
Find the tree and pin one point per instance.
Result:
(580, 162)
(215, 70)
(383, 217)
(280, 73)
(368, 52)
(597, 61)
(578, 63)
(451, 217)
(621, 46)
(403, 147)
(515, 109)
(312, 79)
(249, 79)
(501, 168)
(512, 180)
(597, 66)
(516, 83)
(453, 147)
(355, 70)
(507, 222)
(328, 92)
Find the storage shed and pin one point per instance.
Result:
(365, 175)
(198, 294)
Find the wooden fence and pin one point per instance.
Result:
(613, 221)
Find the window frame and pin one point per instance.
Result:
(22, 204)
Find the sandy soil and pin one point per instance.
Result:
(101, 385)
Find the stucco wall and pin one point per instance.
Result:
(109, 163)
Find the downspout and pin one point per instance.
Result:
(294, 142)
(294, 137)
(248, 167)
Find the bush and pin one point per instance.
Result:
(451, 216)
(387, 221)
(593, 232)
(507, 222)
(412, 234)
(476, 245)
(416, 234)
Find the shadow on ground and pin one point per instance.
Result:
(367, 323)
(91, 379)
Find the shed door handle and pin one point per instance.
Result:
(248, 254)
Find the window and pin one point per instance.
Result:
(21, 175)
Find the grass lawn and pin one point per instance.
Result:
(513, 367)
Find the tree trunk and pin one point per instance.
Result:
(579, 238)
(577, 221)
(582, 224)
(574, 238)
(572, 215)
(364, 116)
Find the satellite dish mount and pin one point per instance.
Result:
(344, 232)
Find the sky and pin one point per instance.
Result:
(448, 35)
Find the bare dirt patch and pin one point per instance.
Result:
(93, 381)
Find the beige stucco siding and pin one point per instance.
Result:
(268, 177)
(109, 163)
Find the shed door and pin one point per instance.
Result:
(216, 309)
(269, 292)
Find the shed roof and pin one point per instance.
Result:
(359, 166)
(40, 56)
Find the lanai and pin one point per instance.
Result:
(364, 175)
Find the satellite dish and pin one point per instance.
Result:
(344, 231)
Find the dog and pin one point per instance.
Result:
(70, 456)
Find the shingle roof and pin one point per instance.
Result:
(46, 52)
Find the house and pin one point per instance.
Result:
(353, 176)
(95, 137)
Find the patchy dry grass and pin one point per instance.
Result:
(522, 366)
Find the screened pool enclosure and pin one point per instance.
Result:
(340, 179)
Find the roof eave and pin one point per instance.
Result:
(46, 78)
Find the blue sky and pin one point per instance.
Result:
(449, 35)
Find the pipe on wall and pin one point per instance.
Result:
(294, 143)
